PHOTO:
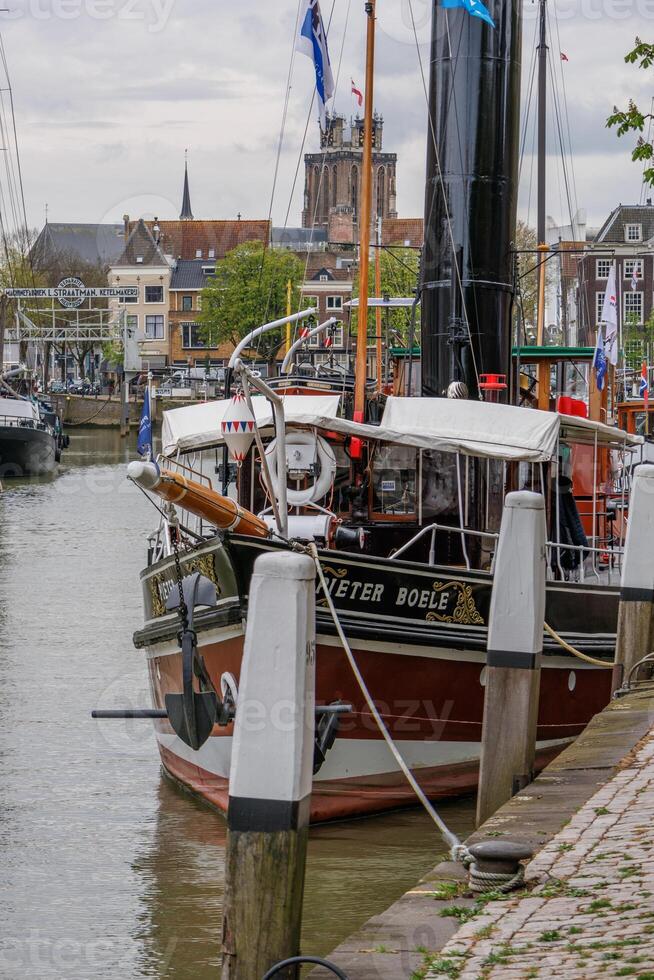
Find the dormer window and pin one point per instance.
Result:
(324, 278)
(633, 233)
(139, 260)
(211, 254)
(198, 253)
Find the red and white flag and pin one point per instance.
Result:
(328, 340)
(304, 332)
(357, 93)
(564, 57)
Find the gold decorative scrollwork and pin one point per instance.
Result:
(465, 612)
(336, 572)
(204, 565)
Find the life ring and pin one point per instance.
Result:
(326, 459)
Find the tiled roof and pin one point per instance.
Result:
(95, 243)
(189, 274)
(397, 231)
(183, 239)
(627, 214)
(141, 248)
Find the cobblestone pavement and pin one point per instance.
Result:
(588, 909)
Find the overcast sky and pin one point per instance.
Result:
(109, 93)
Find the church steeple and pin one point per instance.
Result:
(186, 213)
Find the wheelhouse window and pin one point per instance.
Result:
(154, 327)
(394, 481)
(154, 294)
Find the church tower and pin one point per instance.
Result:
(332, 183)
(186, 213)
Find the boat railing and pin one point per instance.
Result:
(602, 561)
(18, 422)
(463, 532)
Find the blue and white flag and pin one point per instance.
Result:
(600, 362)
(474, 7)
(312, 41)
(144, 441)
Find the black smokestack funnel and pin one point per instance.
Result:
(471, 198)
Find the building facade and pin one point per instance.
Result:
(626, 240)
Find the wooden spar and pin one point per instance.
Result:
(360, 372)
(378, 322)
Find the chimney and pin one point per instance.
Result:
(126, 226)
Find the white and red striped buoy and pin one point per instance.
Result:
(237, 427)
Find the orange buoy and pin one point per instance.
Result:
(223, 512)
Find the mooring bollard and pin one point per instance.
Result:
(271, 771)
(515, 644)
(633, 640)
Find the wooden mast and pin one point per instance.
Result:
(360, 372)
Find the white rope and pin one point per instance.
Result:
(457, 849)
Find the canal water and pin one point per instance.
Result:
(106, 869)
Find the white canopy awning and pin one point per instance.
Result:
(197, 427)
(19, 408)
(451, 425)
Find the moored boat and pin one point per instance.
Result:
(31, 439)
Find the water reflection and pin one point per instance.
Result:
(108, 870)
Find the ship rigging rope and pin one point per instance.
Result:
(457, 849)
(577, 653)
(442, 187)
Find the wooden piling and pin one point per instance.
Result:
(515, 643)
(634, 634)
(271, 771)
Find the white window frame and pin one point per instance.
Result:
(185, 326)
(134, 317)
(599, 303)
(602, 262)
(130, 299)
(198, 253)
(629, 296)
(638, 232)
(184, 309)
(153, 285)
(337, 334)
(334, 304)
(628, 269)
(154, 336)
(211, 254)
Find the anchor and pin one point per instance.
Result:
(193, 714)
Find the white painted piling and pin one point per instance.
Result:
(515, 644)
(634, 635)
(271, 770)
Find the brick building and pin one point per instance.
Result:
(627, 239)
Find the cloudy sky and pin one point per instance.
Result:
(109, 93)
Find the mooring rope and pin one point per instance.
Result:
(458, 850)
(577, 653)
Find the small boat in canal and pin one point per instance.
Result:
(31, 437)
